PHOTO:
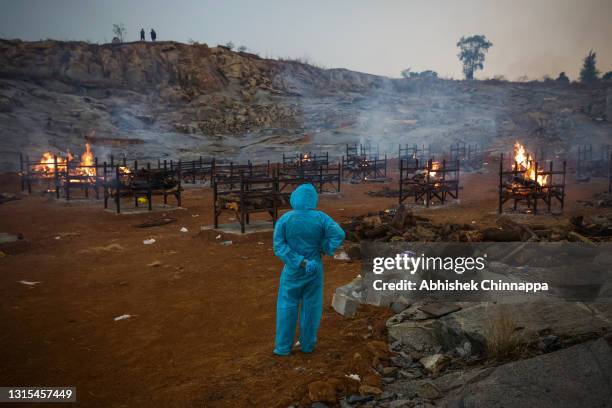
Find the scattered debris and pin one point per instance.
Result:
(107, 248)
(149, 241)
(123, 317)
(353, 377)
(227, 243)
(342, 256)
(184, 229)
(29, 283)
(155, 264)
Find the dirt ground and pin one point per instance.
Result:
(202, 325)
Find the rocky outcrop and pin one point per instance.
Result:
(167, 99)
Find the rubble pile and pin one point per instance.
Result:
(402, 225)
(596, 228)
(442, 352)
(600, 200)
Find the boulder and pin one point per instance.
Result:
(572, 377)
(572, 321)
(321, 391)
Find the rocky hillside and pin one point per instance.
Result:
(169, 99)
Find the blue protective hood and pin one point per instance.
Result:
(304, 197)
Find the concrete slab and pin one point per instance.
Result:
(6, 237)
(254, 227)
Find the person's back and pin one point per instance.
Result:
(300, 237)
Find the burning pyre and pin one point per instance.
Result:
(526, 164)
(50, 164)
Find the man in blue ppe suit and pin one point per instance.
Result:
(300, 237)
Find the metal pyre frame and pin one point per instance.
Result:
(470, 155)
(325, 178)
(357, 165)
(411, 153)
(592, 165)
(144, 182)
(517, 187)
(63, 175)
(430, 181)
(244, 195)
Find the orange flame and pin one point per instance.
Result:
(525, 162)
(86, 167)
(47, 164)
(87, 159)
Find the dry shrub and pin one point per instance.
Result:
(505, 339)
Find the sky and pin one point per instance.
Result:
(530, 37)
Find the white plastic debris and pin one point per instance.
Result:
(226, 243)
(149, 241)
(353, 377)
(195, 215)
(58, 237)
(29, 283)
(260, 243)
(342, 256)
(122, 317)
(218, 236)
(183, 229)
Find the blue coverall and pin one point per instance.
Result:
(302, 235)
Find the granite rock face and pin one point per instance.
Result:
(172, 100)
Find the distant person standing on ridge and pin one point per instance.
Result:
(153, 35)
(142, 34)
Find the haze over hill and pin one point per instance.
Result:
(167, 99)
(533, 38)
